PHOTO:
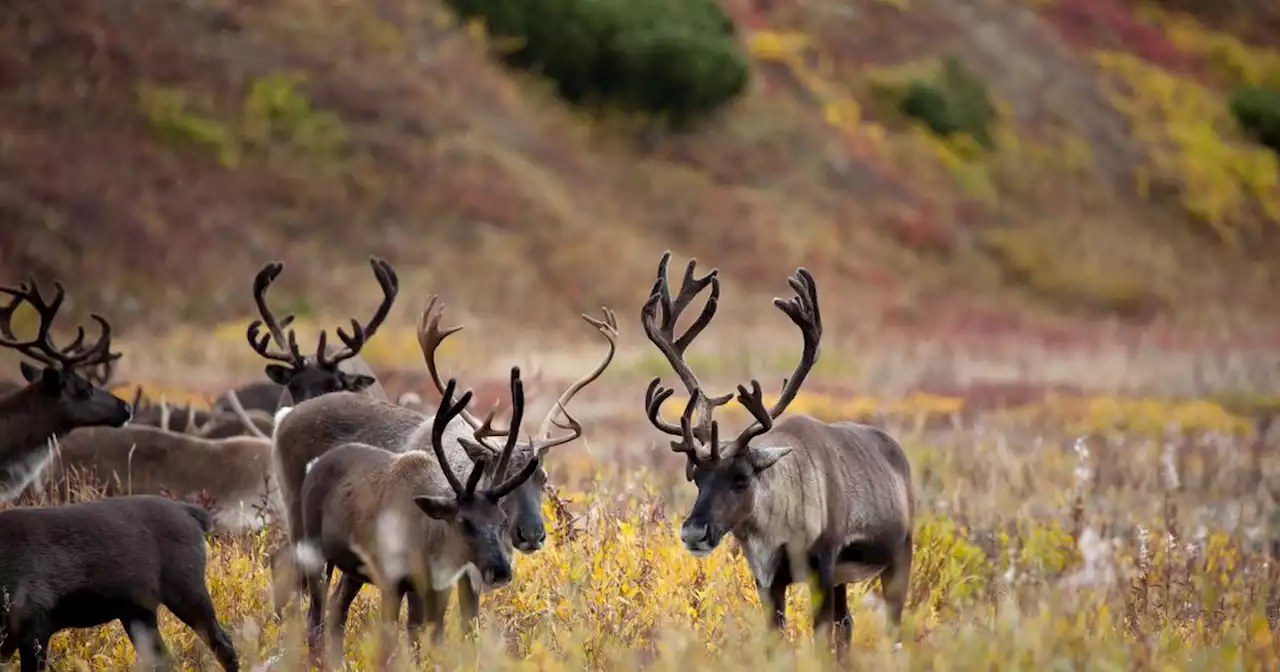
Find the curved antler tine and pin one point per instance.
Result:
(608, 329)
(262, 345)
(715, 442)
(687, 444)
(294, 351)
(513, 430)
(517, 480)
(803, 311)
(430, 336)
(321, 346)
(267, 275)
(474, 478)
(753, 401)
(655, 396)
(75, 343)
(704, 318)
(571, 425)
(98, 353)
(662, 288)
(448, 409)
(390, 284)
(357, 337)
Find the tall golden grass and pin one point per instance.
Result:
(1096, 535)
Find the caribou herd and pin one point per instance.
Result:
(318, 445)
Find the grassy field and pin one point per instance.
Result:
(1063, 532)
(1074, 336)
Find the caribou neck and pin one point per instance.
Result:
(26, 424)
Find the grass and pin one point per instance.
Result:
(1087, 531)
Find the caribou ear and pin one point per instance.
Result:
(689, 468)
(355, 382)
(278, 374)
(30, 373)
(475, 450)
(763, 458)
(440, 508)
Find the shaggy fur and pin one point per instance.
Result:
(83, 565)
(234, 473)
(420, 529)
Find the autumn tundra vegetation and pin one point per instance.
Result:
(1023, 383)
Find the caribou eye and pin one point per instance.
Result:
(469, 528)
(740, 482)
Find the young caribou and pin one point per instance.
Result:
(804, 498)
(58, 398)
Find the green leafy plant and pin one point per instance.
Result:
(177, 120)
(672, 59)
(955, 101)
(276, 111)
(1257, 110)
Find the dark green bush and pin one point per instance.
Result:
(955, 101)
(674, 58)
(1257, 110)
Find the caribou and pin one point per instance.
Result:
(58, 397)
(356, 495)
(318, 425)
(804, 498)
(87, 564)
(332, 368)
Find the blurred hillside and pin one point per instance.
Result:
(153, 155)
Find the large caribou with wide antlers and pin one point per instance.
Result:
(318, 425)
(332, 368)
(59, 397)
(803, 497)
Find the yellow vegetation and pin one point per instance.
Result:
(1186, 129)
(1009, 575)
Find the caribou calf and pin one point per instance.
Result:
(804, 498)
(58, 398)
(84, 565)
(409, 516)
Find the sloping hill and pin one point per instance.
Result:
(155, 154)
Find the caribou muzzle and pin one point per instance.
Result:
(699, 538)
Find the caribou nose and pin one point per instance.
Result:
(499, 576)
(693, 534)
(530, 543)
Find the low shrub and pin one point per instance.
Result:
(1257, 110)
(674, 59)
(953, 102)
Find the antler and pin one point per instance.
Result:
(608, 328)
(430, 336)
(360, 335)
(41, 348)
(449, 409)
(662, 334)
(803, 311)
(233, 400)
(504, 483)
(275, 329)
